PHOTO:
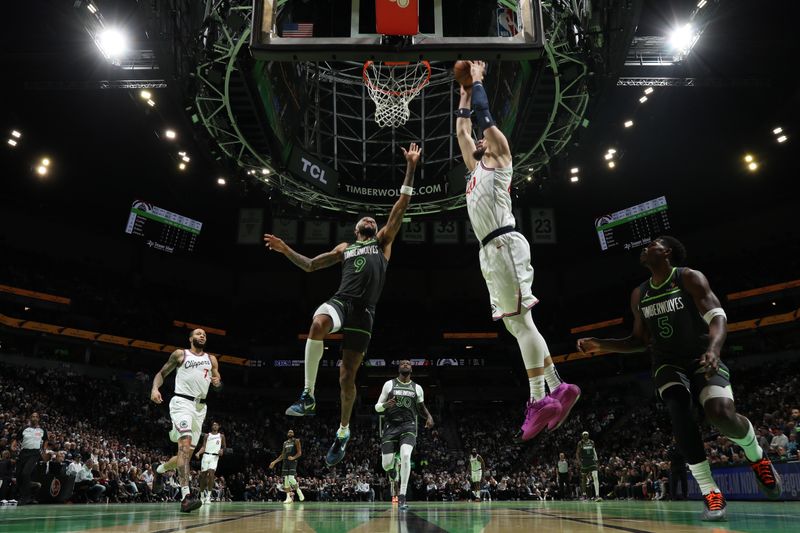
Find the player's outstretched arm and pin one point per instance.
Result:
(387, 233)
(498, 144)
(708, 305)
(464, 128)
(216, 378)
(428, 416)
(325, 260)
(636, 342)
(158, 380)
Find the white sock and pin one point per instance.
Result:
(160, 468)
(343, 430)
(537, 387)
(596, 480)
(184, 492)
(702, 474)
(314, 350)
(405, 467)
(749, 444)
(552, 377)
(532, 346)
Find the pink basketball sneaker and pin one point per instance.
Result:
(539, 415)
(567, 395)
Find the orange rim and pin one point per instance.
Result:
(412, 90)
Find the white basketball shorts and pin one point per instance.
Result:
(187, 418)
(506, 267)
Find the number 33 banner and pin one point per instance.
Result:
(543, 226)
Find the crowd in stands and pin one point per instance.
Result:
(109, 437)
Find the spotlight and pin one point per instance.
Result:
(782, 138)
(181, 154)
(748, 158)
(649, 90)
(752, 166)
(682, 38)
(776, 131)
(628, 123)
(182, 166)
(608, 156)
(612, 150)
(112, 43)
(573, 170)
(91, 8)
(41, 170)
(185, 159)
(265, 171)
(611, 164)
(45, 162)
(221, 181)
(16, 134)
(530, 178)
(530, 169)
(145, 94)
(170, 134)
(151, 103)
(643, 99)
(12, 142)
(701, 4)
(574, 179)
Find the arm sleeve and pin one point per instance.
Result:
(387, 389)
(420, 395)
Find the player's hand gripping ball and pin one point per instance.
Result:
(461, 72)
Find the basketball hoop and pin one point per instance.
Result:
(392, 85)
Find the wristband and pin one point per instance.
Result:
(464, 113)
(406, 189)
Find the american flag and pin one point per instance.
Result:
(299, 29)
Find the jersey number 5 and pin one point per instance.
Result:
(664, 328)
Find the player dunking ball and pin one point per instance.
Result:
(403, 401)
(291, 452)
(352, 308)
(586, 455)
(187, 408)
(680, 319)
(209, 453)
(505, 256)
(476, 468)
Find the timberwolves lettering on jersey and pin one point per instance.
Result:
(193, 375)
(489, 199)
(677, 331)
(363, 273)
(405, 408)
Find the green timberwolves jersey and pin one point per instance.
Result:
(677, 331)
(363, 272)
(405, 409)
(588, 454)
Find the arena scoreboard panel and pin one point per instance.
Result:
(634, 226)
(161, 229)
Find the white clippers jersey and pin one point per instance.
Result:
(194, 375)
(213, 443)
(489, 199)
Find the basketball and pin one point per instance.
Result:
(461, 72)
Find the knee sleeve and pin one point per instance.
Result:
(687, 435)
(405, 453)
(387, 461)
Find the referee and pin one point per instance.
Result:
(33, 440)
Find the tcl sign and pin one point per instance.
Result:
(313, 171)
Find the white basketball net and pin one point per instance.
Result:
(392, 86)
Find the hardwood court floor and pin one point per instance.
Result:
(458, 517)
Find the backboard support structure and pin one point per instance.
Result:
(340, 30)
